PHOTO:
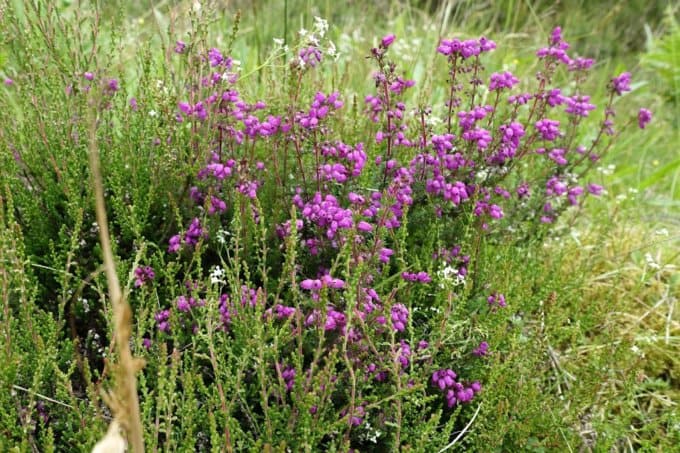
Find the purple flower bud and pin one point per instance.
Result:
(387, 41)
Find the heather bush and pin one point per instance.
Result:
(308, 269)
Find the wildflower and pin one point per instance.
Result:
(644, 117)
(8, 81)
(581, 64)
(500, 80)
(482, 349)
(399, 316)
(496, 299)
(283, 312)
(557, 51)
(143, 274)
(387, 41)
(621, 83)
(180, 46)
(595, 189)
(310, 56)
(184, 304)
(174, 244)
(549, 129)
(288, 375)
(112, 85)
(404, 353)
(579, 105)
(88, 76)
(162, 320)
(215, 57)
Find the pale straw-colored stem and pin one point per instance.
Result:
(123, 399)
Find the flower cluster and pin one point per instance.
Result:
(501, 160)
(143, 274)
(456, 392)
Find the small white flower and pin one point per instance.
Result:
(217, 275)
(222, 236)
(153, 113)
(320, 26)
(332, 51)
(278, 41)
(651, 262)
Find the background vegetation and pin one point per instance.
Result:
(585, 358)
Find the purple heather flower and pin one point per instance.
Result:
(162, 320)
(621, 83)
(194, 233)
(310, 56)
(283, 312)
(519, 99)
(143, 274)
(215, 57)
(112, 85)
(174, 244)
(595, 189)
(88, 76)
(180, 46)
(558, 48)
(399, 316)
(288, 375)
(335, 320)
(549, 129)
(579, 105)
(387, 41)
(146, 342)
(496, 299)
(420, 277)
(183, 304)
(644, 117)
(9, 81)
(444, 378)
(482, 349)
(364, 226)
(554, 97)
(404, 354)
(500, 80)
(581, 64)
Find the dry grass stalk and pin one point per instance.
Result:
(123, 399)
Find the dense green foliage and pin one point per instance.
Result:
(583, 357)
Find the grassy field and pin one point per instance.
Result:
(584, 357)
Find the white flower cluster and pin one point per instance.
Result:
(217, 276)
(449, 276)
(314, 38)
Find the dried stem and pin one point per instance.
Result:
(123, 399)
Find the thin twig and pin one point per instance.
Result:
(460, 434)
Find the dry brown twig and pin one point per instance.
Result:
(122, 399)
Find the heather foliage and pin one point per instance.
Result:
(309, 269)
